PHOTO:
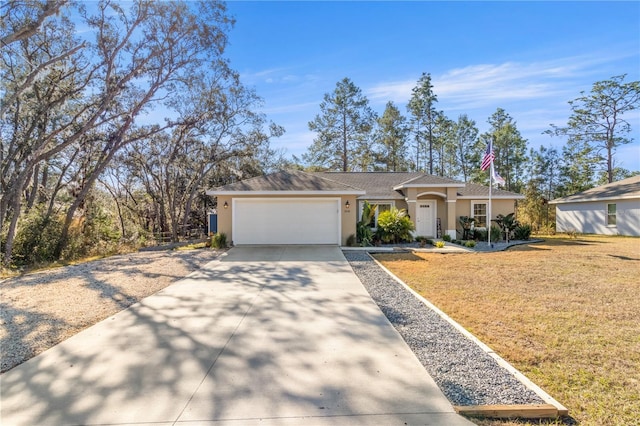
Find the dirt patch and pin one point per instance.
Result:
(39, 310)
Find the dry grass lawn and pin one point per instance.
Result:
(565, 312)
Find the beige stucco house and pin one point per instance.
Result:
(294, 207)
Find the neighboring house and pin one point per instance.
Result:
(611, 209)
(294, 207)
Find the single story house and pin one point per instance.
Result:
(295, 207)
(611, 209)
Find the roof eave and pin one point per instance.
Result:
(428, 185)
(592, 199)
(493, 197)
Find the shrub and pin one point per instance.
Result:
(470, 244)
(395, 226)
(364, 234)
(496, 234)
(446, 237)
(37, 238)
(351, 240)
(439, 244)
(522, 232)
(219, 240)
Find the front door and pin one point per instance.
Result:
(426, 218)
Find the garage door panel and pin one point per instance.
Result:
(286, 221)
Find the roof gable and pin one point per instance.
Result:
(378, 185)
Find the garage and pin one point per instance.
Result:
(289, 220)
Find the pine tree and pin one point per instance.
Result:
(423, 119)
(343, 129)
(391, 140)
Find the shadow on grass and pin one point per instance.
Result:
(623, 257)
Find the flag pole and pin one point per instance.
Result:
(489, 207)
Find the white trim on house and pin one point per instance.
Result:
(473, 216)
(595, 199)
(440, 194)
(429, 185)
(493, 197)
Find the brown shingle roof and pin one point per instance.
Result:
(378, 185)
(472, 190)
(623, 189)
(290, 180)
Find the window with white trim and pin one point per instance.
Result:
(611, 214)
(382, 207)
(479, 213)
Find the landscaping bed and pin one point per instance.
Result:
(563, 311)
(465, 373)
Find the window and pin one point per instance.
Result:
(382, 207)
(479, 213)
(611, 215)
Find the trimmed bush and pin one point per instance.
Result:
(219, 240)
(446, 237)
(522, 232)
(394, 226)
(470, 244)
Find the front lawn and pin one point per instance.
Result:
(565, 312)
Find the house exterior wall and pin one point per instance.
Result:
(499, 206)
(591, 217)
(348, 215)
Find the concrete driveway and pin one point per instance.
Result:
(263, 335)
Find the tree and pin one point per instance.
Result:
(578, 167)
(423, 118)
(510, 150)
(343, 129)
(542, 186)
(598, 118)
(391, 140)
(466, 134)
(87, 107)
(444, 146)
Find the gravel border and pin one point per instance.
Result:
(465, 373)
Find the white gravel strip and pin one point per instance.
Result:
(465, 373)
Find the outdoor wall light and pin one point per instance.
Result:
(347, 205)
(226, 205)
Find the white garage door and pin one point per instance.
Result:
(286, 221)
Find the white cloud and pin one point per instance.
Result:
(482, 85)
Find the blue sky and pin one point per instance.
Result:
(529, 58)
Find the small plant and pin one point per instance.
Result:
(439, 244)
(395, 226)
(446, 237)
(522, 232)
(351, 240)
(470, 244)
(364, 234)
(219, 240)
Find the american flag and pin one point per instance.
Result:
(488, 158)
